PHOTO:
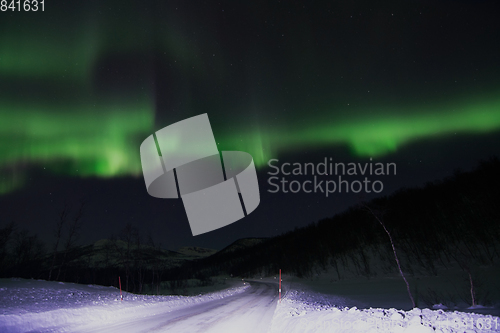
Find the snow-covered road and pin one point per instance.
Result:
(249, 311)
(42, 306)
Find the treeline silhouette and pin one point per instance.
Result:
(453, 222)
(140, 263)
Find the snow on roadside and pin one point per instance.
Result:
(305, 311)
(29, 305)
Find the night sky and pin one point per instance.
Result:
(83, 83)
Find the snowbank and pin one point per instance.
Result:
(305, 311)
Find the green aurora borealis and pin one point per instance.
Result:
(86, 143)
(374, 135)
(55, 113)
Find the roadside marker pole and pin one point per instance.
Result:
(280, 285)
(120, 283)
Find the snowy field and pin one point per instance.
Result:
(41, 306)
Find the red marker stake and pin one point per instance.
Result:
(120, 283)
